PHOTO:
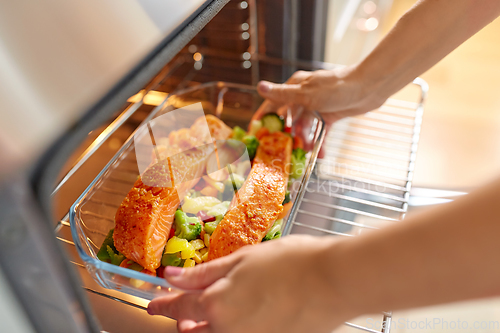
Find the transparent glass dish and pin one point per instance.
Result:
(92, 215)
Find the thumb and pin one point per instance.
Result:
(201, 276)
(281, 93)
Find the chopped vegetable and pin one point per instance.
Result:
(220, 209)
(287, 198)
(233, 184)
(171, 259)
(298, 162)
(197, 257)
(235, 181)
(130, 264)
(108, 252)
(238, 133)
(194, 205)
(103, 254)
(252, 143)
(197, 244)
(189, 263)
(255, 126)
(210, 227)
(186, 227)
(205, 217)
(273, 122)
(216, 184)
(188, 252)
(209, 191)
(206, 240)
(274, 232)
(175, 245)
(115, 258)
(194, 194)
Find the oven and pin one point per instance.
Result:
(361, 182)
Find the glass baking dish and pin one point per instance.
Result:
(92, 215)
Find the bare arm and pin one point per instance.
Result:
(446, 254)
(420, 39)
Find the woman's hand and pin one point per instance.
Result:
(421, 38)
(336, 93)
(277, 286)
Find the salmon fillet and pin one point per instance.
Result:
(144, 218)
(258, 203)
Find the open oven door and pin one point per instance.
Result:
(66, 67)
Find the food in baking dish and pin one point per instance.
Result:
(209, 216)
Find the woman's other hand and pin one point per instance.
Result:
(277, 286)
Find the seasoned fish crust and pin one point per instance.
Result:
(144, 218)
(259, 201)
(142, 222)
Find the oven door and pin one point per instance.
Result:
(67, 67)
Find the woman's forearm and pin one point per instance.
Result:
(420, 39)
(449, 253)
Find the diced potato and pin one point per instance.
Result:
(197, 244)
(189, 263)
(194, 205)
(188, 253)
(204, 257)
(197, 257)
(203, 251)
(209, 191)
(220, 209)
(176, 244)
(207, 240)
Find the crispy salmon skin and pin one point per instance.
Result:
(144, 218)
(259, 201)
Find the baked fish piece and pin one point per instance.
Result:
(144, 218)
(258, 203)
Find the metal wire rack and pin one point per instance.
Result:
(363, 181)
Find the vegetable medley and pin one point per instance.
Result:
(204, 207)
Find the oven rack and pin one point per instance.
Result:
(364, 179)
(362, 182)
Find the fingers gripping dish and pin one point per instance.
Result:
(259, 202)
